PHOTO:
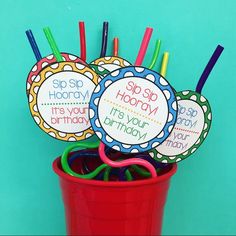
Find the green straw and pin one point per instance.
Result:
(53, 44)
(155, 54)
(142, 171)
(68, 170)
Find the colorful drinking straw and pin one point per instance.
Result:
(101, 71)
(104, 39)
(210, 65)
(132, 161)
(127, 174)
(33, 45)
(144, 45)
(82, 41)
(193, 121)
(115, 46)
(127, 162)
(81, 154)
(158, 166)
(66, 163)
(110, 63)
(155, 54)
(164, 64)
(53, 44)
(66, 166)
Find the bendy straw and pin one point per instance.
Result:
(210, 65)
(155, 54)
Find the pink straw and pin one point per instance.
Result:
(132, 161)
(143, 47)
(128, 162)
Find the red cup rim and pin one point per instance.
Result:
(65, 176)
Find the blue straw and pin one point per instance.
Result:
(104, 39)
(215, 56)
(33, 45)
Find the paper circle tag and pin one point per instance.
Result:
(191, 128)
(133, 109)
(59, 98)
(111, 63)
(44, 62)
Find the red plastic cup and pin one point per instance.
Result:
(94, 207)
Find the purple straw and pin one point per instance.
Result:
(104, 39)
(215, 56)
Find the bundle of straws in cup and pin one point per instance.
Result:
(140, 125)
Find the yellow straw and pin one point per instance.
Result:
(164, 64)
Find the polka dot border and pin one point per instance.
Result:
(142, 73)
(111, 60)
(204, 104)
(46, 61)
(43, 75)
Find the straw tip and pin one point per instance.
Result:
(149, 29)
(220, 47)
(46, 28)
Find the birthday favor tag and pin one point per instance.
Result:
(111, 63)
(133, 109)
(59, 98)
(44, 62)
(191, 128)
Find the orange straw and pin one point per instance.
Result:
(115, 46)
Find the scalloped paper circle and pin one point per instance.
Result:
(133, 109)
(191, 128)
(59, 98)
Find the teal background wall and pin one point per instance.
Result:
(202, 197)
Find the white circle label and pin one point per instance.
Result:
(63, 101)
(133, 110)
(187, 130)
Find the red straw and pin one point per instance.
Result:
(82, 41)
(143, 47)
